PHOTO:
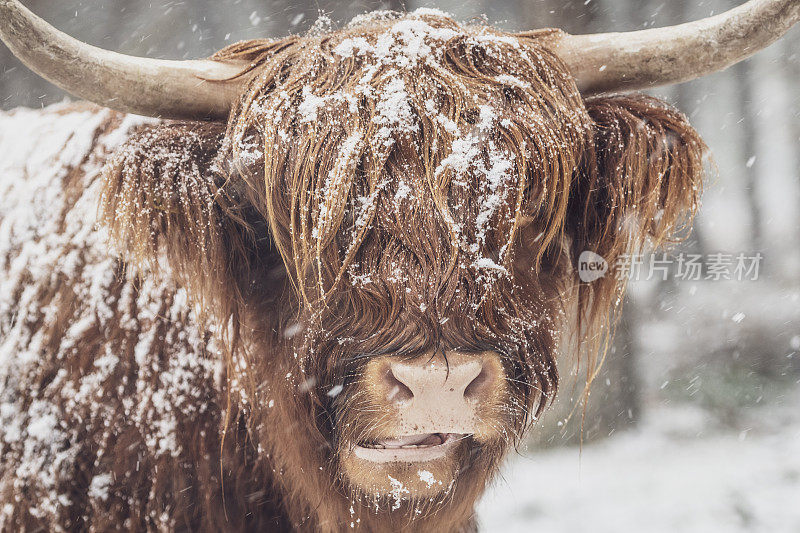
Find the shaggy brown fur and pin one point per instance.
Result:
(406, 184)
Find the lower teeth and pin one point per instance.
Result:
(375, 445)
(382, 447)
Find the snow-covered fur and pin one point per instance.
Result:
(185, 308)
(107, 380)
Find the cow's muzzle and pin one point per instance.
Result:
(433, 401)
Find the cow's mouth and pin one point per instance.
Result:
(408, 448)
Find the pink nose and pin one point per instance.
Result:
(463, 378)
(431, 394)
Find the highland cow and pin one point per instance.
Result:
(341, 308)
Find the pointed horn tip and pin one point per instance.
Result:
(195, 89)
(614, 62)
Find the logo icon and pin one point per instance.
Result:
(591, 266)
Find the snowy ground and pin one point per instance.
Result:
(669, 475)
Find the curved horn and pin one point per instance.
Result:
(608, 62)
(201, 89)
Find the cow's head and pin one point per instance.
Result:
(429, 186)
(386, 231)
(422, 190)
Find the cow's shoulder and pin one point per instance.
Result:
(107, 376)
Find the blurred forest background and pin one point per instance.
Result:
(698, 399)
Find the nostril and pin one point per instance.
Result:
(398, 391)
(477, 388)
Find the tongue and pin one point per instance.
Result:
(426, 439)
